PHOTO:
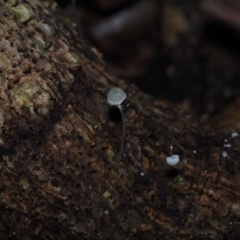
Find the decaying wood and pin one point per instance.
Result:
(60, 178)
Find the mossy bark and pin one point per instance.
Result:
(59, 139)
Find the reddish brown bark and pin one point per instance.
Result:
(60, 178)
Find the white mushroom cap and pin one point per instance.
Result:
(234, 134)
(172, 160)
(116, 96)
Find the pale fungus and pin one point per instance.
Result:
(174, 158)
(234, 134)
(115, 97)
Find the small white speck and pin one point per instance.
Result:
(230, 223)
(228, 145)
(205, 171)
(224, 154)
(210, 191)
(225, 140)
(194, 151)
(234, 134)
(142, 174)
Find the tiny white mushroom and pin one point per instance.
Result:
(115, 97)
(234, 134)
(172, 160)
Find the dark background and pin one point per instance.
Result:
(183, 51)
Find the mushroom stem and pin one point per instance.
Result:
(115, 97)
(123, 133)
(180, 147)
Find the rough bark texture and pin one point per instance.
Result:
(59, 140)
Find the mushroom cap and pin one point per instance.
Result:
(116, 96)
(172, 160)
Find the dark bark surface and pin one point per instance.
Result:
(59, 139)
